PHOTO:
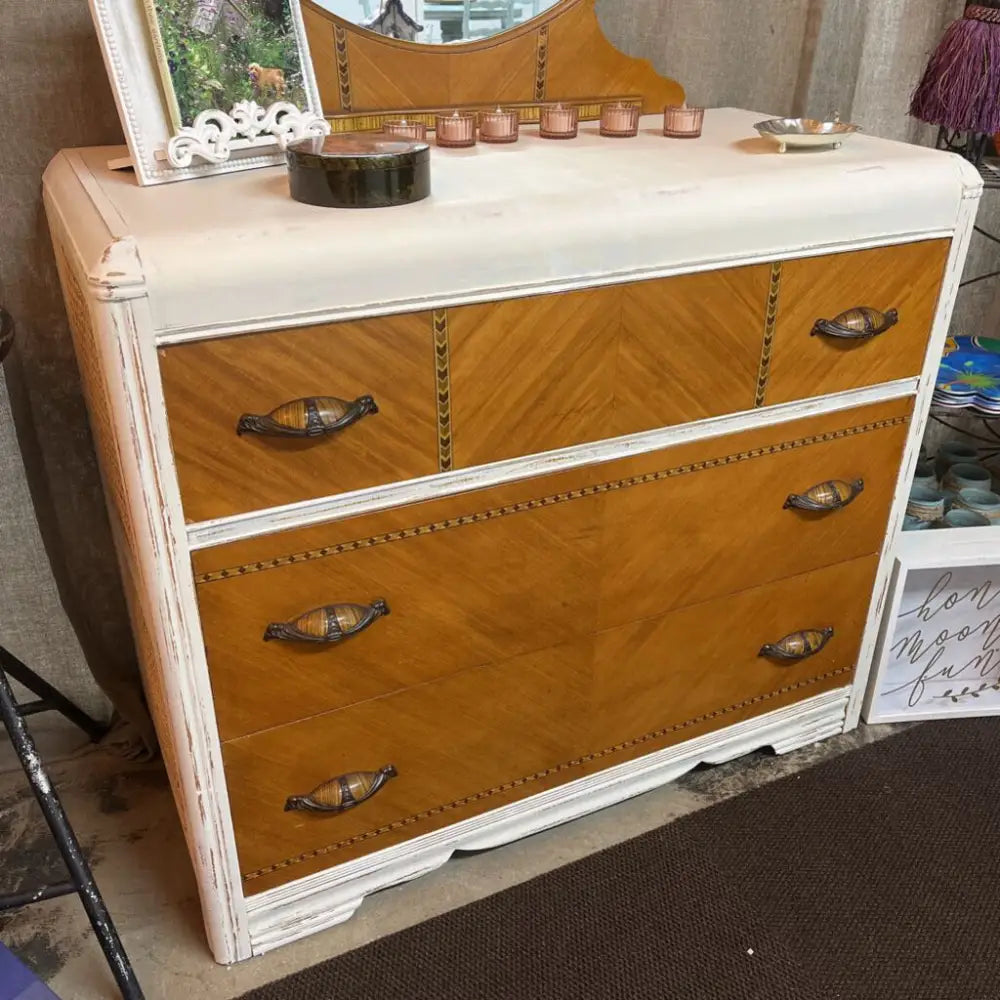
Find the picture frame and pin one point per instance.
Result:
(938, 652)
(169, 136)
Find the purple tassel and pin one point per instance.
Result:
(960, 88)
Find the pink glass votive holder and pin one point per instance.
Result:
(455, 130)
(557, 122)
(620, 121)
(682, 122)
(402, 129)
(498, 126)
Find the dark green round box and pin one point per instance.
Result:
(358, 170)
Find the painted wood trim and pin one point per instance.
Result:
(221, 531)
(144, 508)
(301, 908)
(550, 500)
(277, 321)
(922, 404)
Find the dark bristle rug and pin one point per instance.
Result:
(873, 876)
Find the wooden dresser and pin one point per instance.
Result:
(502, 507)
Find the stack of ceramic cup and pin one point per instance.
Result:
(954, 491)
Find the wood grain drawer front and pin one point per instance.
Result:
(481, 577)
(495, 734)
(535, 374)
(210, 385)
(806, 362)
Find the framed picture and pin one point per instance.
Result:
(938, 654)
(208, 86)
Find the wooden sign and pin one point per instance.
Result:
(939, 653)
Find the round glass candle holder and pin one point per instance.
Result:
(619, 121)
(557, 122)
(682, 122)
(498, 126)
(401, 128)
(455, 131)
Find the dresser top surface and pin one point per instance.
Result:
(236, 252)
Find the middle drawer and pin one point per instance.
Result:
(488, 575)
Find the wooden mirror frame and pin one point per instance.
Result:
(561, 55)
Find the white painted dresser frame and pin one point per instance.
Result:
(115, 330)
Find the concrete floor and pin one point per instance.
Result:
(124, 816)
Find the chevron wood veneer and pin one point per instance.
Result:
(906, 278)
(533, 374)
(210, 384)
(492, 735)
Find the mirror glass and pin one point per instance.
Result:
(437, 22)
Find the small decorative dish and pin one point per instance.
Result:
(806, 131)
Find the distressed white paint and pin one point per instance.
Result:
(316, 902)
(234, 254)
(127, 46)
(536, 217)
(921, 410)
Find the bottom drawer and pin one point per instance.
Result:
(491, 735)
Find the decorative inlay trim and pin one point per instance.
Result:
(547, 501)
(770, 320)
(343, 66)
(528, 113)
(539, 775)
(542, 63)
(442, 364)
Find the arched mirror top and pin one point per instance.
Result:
(437, 22)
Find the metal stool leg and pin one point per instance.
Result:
(69, 847)
(50, 697)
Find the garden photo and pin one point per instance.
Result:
(216, 53)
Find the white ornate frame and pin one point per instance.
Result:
(220, 141)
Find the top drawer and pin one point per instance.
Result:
(477, 384)
(227, 469)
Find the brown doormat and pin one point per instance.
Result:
(874, 876)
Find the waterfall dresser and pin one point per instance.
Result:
(444, 524)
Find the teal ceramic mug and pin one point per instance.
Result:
(967, 476)
(950, 453)
(960, 518)
(925, 503)
(924, 475)
(980, 502)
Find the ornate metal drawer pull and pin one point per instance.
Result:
(330, 624)
(798, 645)
(311, 417)
(861, 323)
(831, 495)
(340, 794)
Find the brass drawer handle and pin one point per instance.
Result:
(310, 417)
(860, 323)
(340, 794)
(330, 624)
(798, 645)
(831, 495)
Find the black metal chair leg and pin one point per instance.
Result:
(50, 697)
(69, 847)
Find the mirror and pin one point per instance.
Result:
(437, 22)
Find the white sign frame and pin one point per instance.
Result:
(941, 552)
(219, 141)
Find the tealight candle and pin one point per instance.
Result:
(498, 126)
(557, 122)
(455, 130)
(619, 121)
(403, 129)
(682, 122)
